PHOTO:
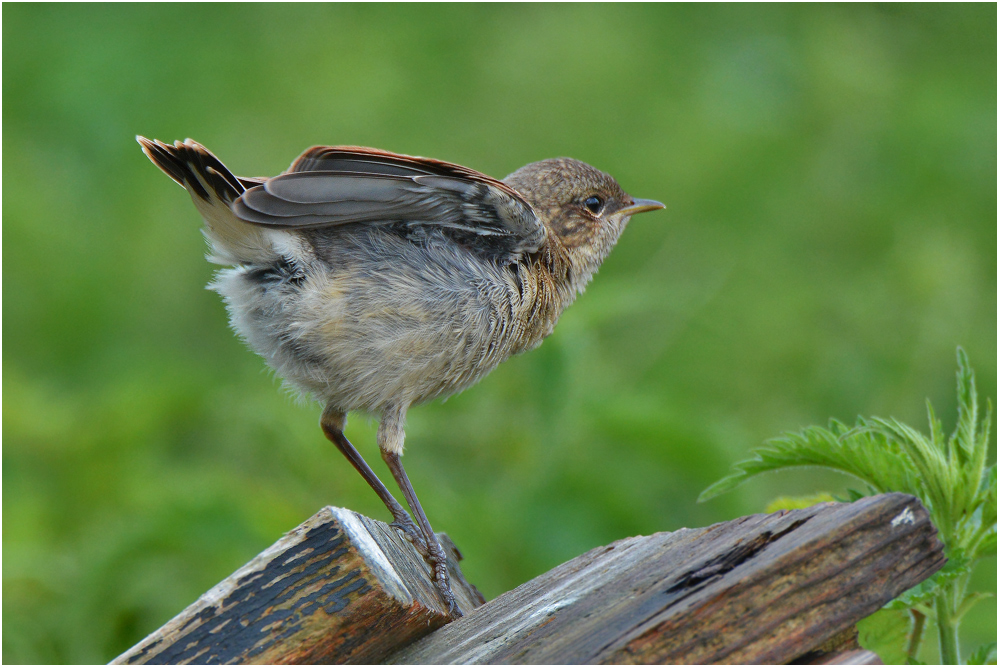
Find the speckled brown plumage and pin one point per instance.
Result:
(374, 281)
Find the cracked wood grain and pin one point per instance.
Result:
(759, 589)
(339, 588)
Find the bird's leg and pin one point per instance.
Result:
(333, 422)
(390, 442)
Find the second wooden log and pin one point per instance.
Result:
(759, 589)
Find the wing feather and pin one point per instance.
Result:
(330, 186)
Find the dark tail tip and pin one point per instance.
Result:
(164, 157)
(193, 166)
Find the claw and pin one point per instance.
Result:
(435, 557)
(412, 534)
(439, 563)
(453, 610)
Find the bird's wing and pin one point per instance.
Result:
(329, 186)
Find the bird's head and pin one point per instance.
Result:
(584, 210)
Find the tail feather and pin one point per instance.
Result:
(193, 166)
(213, 188)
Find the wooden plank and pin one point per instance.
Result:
(854, 657)
(759, 589)
(338, 588)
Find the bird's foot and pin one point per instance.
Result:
(436, 558)
(438, 561)
(405, 524)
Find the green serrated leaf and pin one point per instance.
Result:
(976, 473)
(918, 596)
(988, 546)
(958, 563)
(727, 484)
(988, 496)
(931, 464)
(812, 447)
(854, 494)
(949, 476)
(967, 451)
(885, 633)
(984, 655)
(937, 433)
(965, 430)
(988, 484)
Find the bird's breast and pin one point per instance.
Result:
(372, 319)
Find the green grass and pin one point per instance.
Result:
(830, 179)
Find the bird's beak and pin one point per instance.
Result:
(640, 205)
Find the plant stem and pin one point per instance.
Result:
(947, 627)
(916, 635)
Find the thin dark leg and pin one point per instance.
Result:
(332, 423)
(436, 556)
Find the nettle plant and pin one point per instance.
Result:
(948, 474)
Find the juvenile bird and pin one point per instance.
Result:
(375, 281)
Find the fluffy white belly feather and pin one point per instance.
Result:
(332, 325)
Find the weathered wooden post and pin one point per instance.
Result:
(775, 588)
(338, 588)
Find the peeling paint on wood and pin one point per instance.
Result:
(339, 588)
(779, 588)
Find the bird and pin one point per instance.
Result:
(374, 281)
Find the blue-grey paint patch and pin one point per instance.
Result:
(254, 610)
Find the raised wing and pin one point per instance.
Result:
(330, 186)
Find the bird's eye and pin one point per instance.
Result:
(593, 203)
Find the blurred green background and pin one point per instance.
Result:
(830, 234)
